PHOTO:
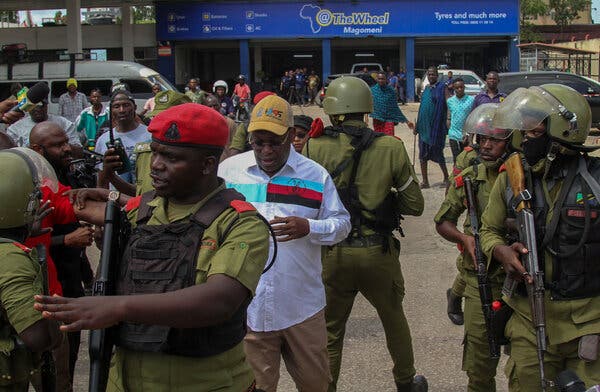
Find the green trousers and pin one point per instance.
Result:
(522, 369)
(480, 368)
(378, 277)
(458, 287)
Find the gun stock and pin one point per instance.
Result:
(48, 369)
(527, 236)
(101, 341)
(485, 289)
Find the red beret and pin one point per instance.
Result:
(190, 124)
(261, 95)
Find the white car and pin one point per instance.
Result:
(473, 83)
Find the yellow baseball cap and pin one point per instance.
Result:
(272, 114)
(71, 81)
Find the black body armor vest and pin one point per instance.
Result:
(572, 236)
(163, 258)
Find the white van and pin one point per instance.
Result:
(89, 75)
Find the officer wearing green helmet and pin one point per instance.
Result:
(551, 123)
(376, 181)
(23, 332)
(492, 145)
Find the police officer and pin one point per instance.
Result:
(492, 149)
(554, 121)
(23, 332)
(365, 167)
(467, 157)
(182, 337)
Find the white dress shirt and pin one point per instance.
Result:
(19, 131)
(292, 290)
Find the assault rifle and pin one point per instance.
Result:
(485, 289)
(48, 369)
(527, 236)
(101, 341)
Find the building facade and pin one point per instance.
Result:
(262, 40)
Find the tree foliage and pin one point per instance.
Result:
(9, 16)
(566, 11)
(530, 10)
(143, 14)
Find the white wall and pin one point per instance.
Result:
(97, 37)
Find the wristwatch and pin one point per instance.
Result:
(114, 196)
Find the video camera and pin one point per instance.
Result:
(83, 172)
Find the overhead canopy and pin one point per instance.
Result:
(22, 5)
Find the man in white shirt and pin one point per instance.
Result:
(298, 197)
(129, 132)
(20, 130)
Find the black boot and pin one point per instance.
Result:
(455, 313)
(419, 384)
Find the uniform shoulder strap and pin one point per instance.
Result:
(144, 210)
(362, 138)
(216, 205)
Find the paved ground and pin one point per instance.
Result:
(428, 267)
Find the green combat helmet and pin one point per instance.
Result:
(479, 122)
(566, 112)
(22, 173)
(348, 94)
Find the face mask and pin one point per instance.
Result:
(536, 149)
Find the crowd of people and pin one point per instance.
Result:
(247, 242)
(299, 87)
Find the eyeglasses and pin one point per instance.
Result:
(259, 144)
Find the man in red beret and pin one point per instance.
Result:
(196, 251)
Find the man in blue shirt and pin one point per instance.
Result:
(459, 107)
(431, 126)
(386, 113)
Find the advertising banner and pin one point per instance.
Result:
(192, 21)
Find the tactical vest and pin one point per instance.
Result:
(163, 258)
(572, 236)
(386, 217)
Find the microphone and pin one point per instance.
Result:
(28, 98)
(568, 381)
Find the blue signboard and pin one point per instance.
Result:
(193, 21)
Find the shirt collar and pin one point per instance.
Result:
(160, 215)
(291, 164)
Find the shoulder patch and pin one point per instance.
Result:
(22, 247)
(459, 181)
(456, 171)
(502, 168)
(142, 147)
(468, 148)
(242, 206)
(133, 203)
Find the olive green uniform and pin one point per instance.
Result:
(566, 321)
(240, 138)
(241, 256)
(361, 264)
(466, 158)
(480, 368)
(143, 182)
(20, 280)
(196, 96)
